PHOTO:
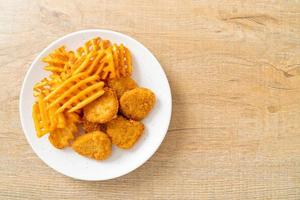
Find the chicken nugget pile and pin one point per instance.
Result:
(91, 88)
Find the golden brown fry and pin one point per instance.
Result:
(122, 85)
(103, 109)
(93, 45)
(96, 145)
(76, 92)
(99, 57)
(57, 60)
(124, 133)
(36, 115)
(137, 103)
(42, 116)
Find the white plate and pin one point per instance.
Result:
(146, 71)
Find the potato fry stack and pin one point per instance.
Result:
(76, 79)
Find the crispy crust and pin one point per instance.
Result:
(121, 85)
(103, 109)
(124, 133)
(88, 126)
(137, 103)
(96, 145)
(62, 137)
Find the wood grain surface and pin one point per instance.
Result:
(234, 70)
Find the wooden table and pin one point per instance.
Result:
(234, 70)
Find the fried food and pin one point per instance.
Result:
(122, 85)
(62, 137)
(100, 57)
(103, 109)
(92, 126)
(57, 60)
(96, 145)
(137, 103)
(46, 119)
(124, 133)
(76, 92)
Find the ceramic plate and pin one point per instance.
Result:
(146, 71)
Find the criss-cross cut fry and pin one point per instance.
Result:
(66, 84)
(36, 115)
(57, 60)
(122, 60)
(46, 119)
(97, 63)
(100, 57)
(83, 98)
(94, 44)
(113, 62)
(76, 92)
(45, 86)
(85, 62)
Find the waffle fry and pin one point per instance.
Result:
(85, 97)
(86, 62)
(122, 59)
(43, 112)
(76, 92)
(37, 120)
(66, 84)
(99, 57)
(46, 119)
(94, 44)
(57, 60)
(45, 86)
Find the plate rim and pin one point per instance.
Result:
(53, 43)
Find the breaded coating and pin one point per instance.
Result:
(88, 126)
(122, 85)
(123, 132)
(96, 145)
(103, 109)
(62, 137)
(137, 103)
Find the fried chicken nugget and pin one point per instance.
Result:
(96, 145)
(137, 103)
(62, 137)
(122, 85)
(123, 132)
(103, 109)
(92, 126)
